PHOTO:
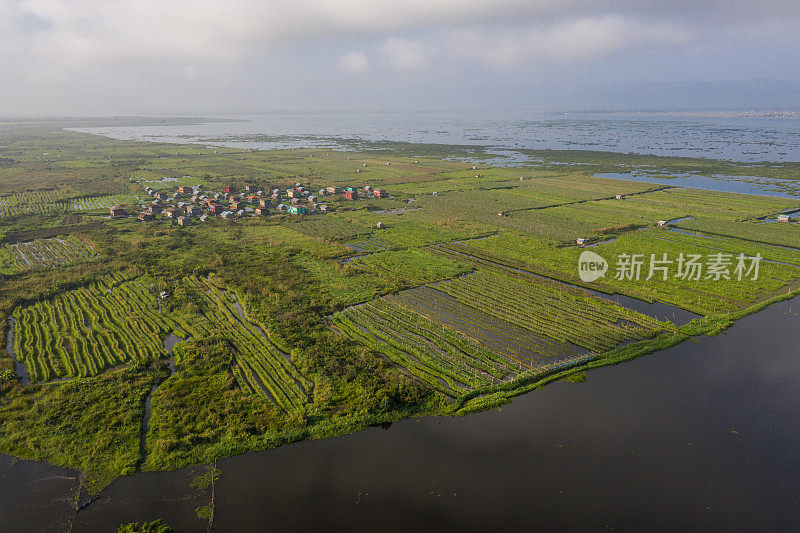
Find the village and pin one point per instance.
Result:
(189, 203)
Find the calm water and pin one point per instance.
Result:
(739, 184)
(738, 139)
(704, 435)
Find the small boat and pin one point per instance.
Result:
(87, 503)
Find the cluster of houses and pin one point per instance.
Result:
(189, 202)
(352, 193)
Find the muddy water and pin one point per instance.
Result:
(701, 436)
(145, 427)
(170, 341)
(656, 310)
(679, 220)
(595, 244)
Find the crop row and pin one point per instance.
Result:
(50, 202)
(38, 209)
(116, 320)
(260, 367)
(437, 354)
(49, 252)
(84, 331)
(482, 327)
(100, 202)
(39, 196)
(555, 311)
(500, 336)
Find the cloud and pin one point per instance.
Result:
(95, 31)
(355, 62)
(70, 52)
(581, 39)
(404, 54)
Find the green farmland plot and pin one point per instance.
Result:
(44, 253)
(259, 366)
(409, 267)
(82, 332)
(437, 355)
(53, 202)
(85, 331)
(703, 296)
(484, 328)
(550, 309)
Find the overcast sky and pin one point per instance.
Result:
(202, 56)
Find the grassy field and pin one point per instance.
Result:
(454, 294)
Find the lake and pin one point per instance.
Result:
(736, 139)
(700, 436)
(736, 184)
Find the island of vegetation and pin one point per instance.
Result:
(169, 305)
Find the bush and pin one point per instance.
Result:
(156, 526)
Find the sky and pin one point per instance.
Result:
(93, 57)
